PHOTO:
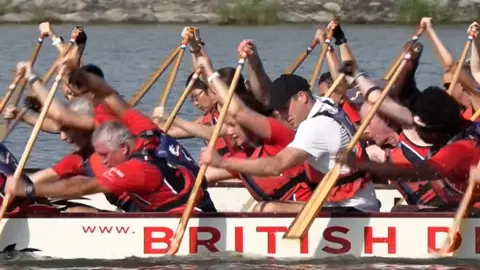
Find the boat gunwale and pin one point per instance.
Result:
(234, 183)
(233, 215)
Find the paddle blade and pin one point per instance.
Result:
(305, 218)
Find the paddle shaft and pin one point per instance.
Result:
(304, 219)
(303, 55)
(181, 100)
(138, 95)
(173, 73)
(475, 115)
(11, 88)
(13, 124)
(177, 239)
(16, 95)
(457, 222)
(321, 58)
(388, 75)
(31, 142)
(33, 58)
(53, 68)
(459, 67)
(335, 84)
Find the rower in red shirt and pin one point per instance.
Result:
(79, 106)
(136, 172)
(81, 109)
(259, 135)
(435, 117)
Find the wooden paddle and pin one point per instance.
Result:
(53, 68)
(388, 75)
(335, 84)
(304, 219)
(182, 225)
(457, 222)
(181, 100)
(31, 142)
(321, 58)
(13, 124)
(303, 55)
(173, 73)
(33, 58)
(11, 88)
(138, 95)
(459, 67)
(475, 115)
(14, 96)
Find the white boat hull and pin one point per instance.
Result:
(238, 199)
(121, 235)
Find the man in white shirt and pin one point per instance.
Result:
(320, 135)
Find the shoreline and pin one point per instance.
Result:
(278, 24)
(237, 12)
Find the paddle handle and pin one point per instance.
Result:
(173, 73)
(459, 67)
(335, 84)
(31, 142)
(211, 146)
(13, 124)
(53, 68)
(138, 95)
(388, 75)
(305, 218)
(321, 58)
(181, 100)
(457, 222)
(303, 55)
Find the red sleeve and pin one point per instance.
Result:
(280, 134)
(131, 176)
(468, 113)
(454, 160)
(103, 114)
(351, 112)
(70, 165)
(137, 122)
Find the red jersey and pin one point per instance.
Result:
(452, 164)
(410, 154)
(142, 180)
(103, 114)
(407, 152)
(454, 160)
(292, 184)
(351, 112)
(73, 164)
(468, 113)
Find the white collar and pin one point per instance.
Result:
(320, 105)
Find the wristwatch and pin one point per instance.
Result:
(29, 190)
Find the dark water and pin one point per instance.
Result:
(128, 54)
